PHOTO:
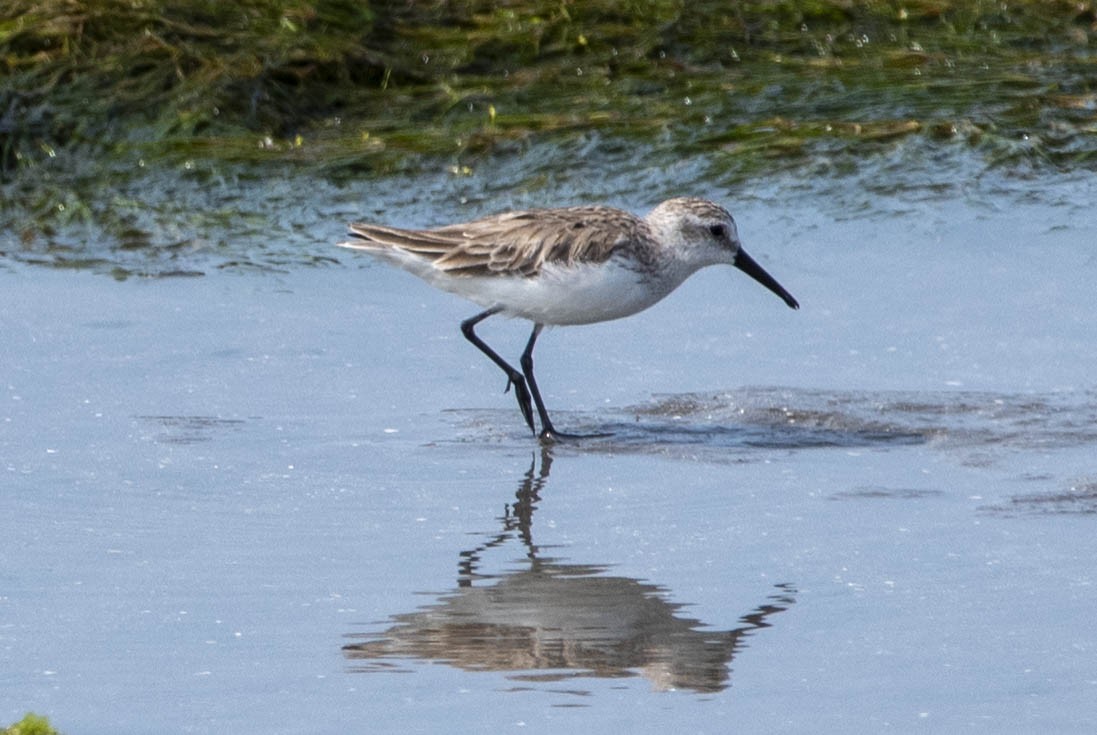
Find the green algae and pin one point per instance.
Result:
(31, 724)
(386, 80)
(98, 94)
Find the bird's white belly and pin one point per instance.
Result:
(578, 294)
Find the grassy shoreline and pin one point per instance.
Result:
(367, 83)
(111, 109)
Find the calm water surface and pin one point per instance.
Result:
(296, 501)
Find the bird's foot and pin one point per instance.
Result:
(521, 392)
(550, 435)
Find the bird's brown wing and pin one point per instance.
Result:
(516, 243)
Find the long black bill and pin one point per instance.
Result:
(748, 265)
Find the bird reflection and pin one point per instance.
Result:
(552, 621)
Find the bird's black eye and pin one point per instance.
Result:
(718, 231)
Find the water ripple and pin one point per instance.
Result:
(736, 423)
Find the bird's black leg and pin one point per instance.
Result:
(548, 431)
(513, 376)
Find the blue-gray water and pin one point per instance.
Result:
(295, 500)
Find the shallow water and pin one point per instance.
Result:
(297, 501)
(255, 483)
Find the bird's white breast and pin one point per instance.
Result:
(575, 294)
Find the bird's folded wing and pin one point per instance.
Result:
(514, 243)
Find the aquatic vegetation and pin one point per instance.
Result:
(31, 724)
(425, 78)
(98, 93)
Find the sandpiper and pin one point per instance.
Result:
(573, 265)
